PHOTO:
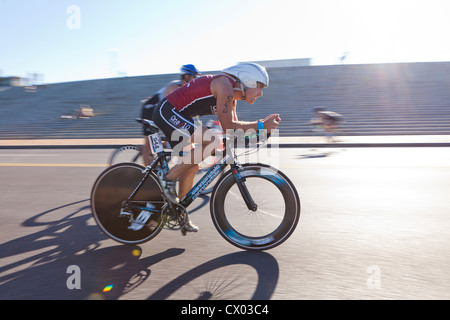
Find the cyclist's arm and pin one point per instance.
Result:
(170, 88)
(234, 113)
(222, 89)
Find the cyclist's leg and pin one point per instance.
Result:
(206, 143)
(178, 129)
(188, 166)
(186, 172)
(330, 131)
(187, 180)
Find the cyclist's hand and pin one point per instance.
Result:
(271, 122)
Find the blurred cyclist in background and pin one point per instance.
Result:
(188, 73)
(327, 121)
(207, 95)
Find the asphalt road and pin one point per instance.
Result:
(374, 225)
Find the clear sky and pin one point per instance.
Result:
(68, 40)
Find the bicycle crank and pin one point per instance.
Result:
(174, 215)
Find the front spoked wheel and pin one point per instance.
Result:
(126, 153)
(111, 189)
(277, 208)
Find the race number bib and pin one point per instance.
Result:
(156, 143)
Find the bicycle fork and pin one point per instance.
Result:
(240, 181)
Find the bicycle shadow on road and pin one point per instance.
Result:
(199, 205)
(314, 154)
(223, 284)
(39, 265)
(36, 266)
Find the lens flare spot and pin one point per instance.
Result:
(108, 288)
(96, 296)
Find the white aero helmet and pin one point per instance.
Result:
(249, 74)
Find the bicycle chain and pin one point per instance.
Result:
(175, 216)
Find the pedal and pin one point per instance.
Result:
(140, 221)
(125, 214)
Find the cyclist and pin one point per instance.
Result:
(188, 73)
(327, 121)
(207, 95)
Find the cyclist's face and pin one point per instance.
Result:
(189, 77)
(251, 94)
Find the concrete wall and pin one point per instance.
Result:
(406, 98)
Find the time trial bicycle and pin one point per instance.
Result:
(253, 206)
